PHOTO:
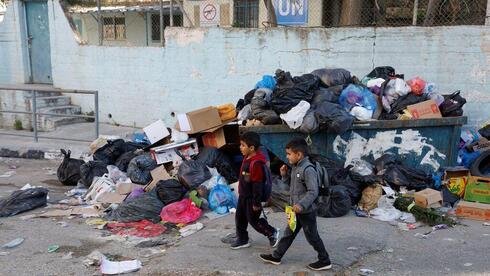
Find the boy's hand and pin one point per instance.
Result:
(284, 170)
(297, 208)
(256, 208)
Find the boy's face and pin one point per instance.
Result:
(245, 149)
(293, 157)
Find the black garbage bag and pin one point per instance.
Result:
(384, 162)
(132, 146)
(69, 170)
(289, 92)
(452, 105)
(485, 131)
(90, 170)
(146, 206)
(123, 160)
(397, 175)
(23, 200)
(261, 110)
(333, 77)
(333, 118)
(336, 204)
(140, 167)
(110, 152)
(343, 177)
(246, 100)
(384, 72)
(214, 158)
(169, 191)
(401, 103)
(331, 94)
(193, 173)
(310, 123)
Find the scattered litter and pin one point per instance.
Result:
(468, 264)
(96, 221)
(352, 248)
(111, 268)
(13, 243)
(13, 167)
(422, 236)
(151, 252)
(7, 174)
(486, 224)
(440, 227)
(389, 250)
(191, 229)
(62, 224)
(407, 217)
(403, 226)
(53, 248)
(67, 256)
(93, 259)
(152, 242)
(76, 192)
(4, 253)
(448, 239)
(365, 271)
(143, 228)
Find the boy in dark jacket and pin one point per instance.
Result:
(304, 192)
(251, 182)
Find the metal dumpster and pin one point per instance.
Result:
(427, 144)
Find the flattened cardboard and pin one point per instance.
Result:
(111, 197)
(473, 210)
(199, 120)
(126, 188)
(428, 198)
(425, 110)
(159, 173)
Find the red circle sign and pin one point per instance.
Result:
(209, 12)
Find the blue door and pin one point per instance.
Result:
(38, 41)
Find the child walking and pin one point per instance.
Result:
(304, 192)
(250, 189)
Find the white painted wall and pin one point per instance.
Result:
(200, 67)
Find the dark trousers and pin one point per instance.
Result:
(245, 215)
(308, 223)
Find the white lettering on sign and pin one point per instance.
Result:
(291, 7)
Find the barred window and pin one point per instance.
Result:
(246, 13)
(114, 28)
(155, 24)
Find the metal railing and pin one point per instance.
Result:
(35, 114)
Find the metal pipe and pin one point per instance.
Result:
(171, 13)
(415, 10)
(162, 42)
(99, 24)
(48, 114)
(96, 99)
(146, 28)
(185, 14)
(34, 115)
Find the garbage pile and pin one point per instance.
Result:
(333, 99)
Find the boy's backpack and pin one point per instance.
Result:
(267, 186)
(323, 179)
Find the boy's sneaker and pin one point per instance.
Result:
(268, 258)
(274, 239)
(318, 266)
(239, 244)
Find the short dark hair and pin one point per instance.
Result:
(251, 139)
(298, 145)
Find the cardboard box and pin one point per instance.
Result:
(159, 173)
(455, 179)
(168, 153)
(428, 198)
(199, 120)
(226, 135)
(473, 210)
(478, 190)
(156, 131)
(425, 110)
(126, 188)
(111, 197)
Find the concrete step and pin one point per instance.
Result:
(51, 123)
(42, 94)
(53, 101)
(66, 109)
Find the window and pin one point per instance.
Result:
(114, 28)
(155, 24)
(246, 13)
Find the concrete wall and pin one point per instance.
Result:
(200, 67)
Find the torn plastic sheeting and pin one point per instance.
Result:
(142, 229)
(294, 117)
(386, 211)
(111, 268)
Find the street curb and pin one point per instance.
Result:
(34, 154)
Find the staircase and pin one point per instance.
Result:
(55, 102)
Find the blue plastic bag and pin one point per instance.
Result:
(356, 95)
(222, 199)
(467, 158)
(266, 82)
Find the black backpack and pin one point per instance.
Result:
(69, 170)
(323, 179)
(267, 187)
